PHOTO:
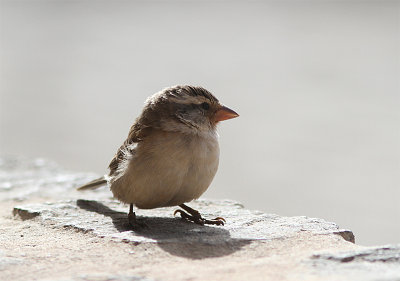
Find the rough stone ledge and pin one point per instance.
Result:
(252, 245)
(23, 179)
(109, 219)
(365, 263)
(386, 254)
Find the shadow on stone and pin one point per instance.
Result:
(175, 236)
(119, 219)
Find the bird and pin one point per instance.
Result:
(171, 154)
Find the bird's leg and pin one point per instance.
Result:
(195, 216)
(132, 218)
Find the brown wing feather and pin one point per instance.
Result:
(136, 134)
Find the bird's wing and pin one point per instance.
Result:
(137, 133)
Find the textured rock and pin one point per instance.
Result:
(109, 218)
(7, 261)
(22, 179)
(373, 263)
(58, 233)
(386, 254)
(102, 277)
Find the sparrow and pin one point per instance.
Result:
(171, 154)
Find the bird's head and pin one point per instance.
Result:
(187, 109)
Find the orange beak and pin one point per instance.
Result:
(224, 113)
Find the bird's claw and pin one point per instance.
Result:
(220, 219)
(216, 221)
(199, 220)
(178, 211)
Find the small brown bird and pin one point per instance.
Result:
(171, 154)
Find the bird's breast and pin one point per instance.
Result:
(168, 169)
(202, 167)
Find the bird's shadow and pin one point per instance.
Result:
(175, 236)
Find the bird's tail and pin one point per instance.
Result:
(93, 184)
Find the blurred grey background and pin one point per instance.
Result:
(316, 84)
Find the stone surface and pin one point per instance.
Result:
(23, 179)
(109, 218)
(373, 263)
(386, 254)
(50, 231)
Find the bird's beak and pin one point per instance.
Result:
(224, 113)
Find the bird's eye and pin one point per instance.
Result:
(205, 106)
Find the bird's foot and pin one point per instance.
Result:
(133, 221)
(195, 216)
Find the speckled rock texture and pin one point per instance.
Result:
(50, 231)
